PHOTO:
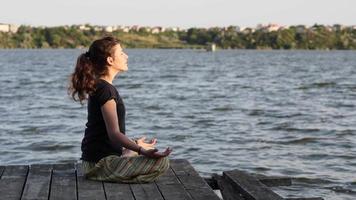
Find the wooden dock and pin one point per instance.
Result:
(181, 182)
(66, 182)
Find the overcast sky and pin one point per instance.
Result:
(182, 13)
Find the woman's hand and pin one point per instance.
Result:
(150, 145)
(154, 153)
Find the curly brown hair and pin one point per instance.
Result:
(90, 66)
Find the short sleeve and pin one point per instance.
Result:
(104, 94)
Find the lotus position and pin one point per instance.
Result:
(107, 153)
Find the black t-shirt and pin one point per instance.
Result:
(96, 143)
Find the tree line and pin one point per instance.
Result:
(293, 37)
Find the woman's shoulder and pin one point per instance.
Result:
(104, 92)
(104, 85)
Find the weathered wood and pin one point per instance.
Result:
(192, 182)
(171, 188)
(310, 198)
(183, 167)
(270, 181)
(79, 169)
(2, 168)
(273, 181)
(88, 189)
(38, 183)
(180, 182)
(112, 191)
(118, 191)
(147, 191)
(229, 193)
(15, 171)
(250, 187)
(12, 182)
(226, 189)
(63, 185)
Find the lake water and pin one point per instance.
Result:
(290, 113)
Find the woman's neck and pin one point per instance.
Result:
(110, 76)
(107, 79)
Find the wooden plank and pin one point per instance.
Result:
(183, 167)
(226, 189)
(111, 191)
(118, 191)
(12, 182)
(170, 187)
(270, 181)
(88, 189)
(146, 191)
(38, 183)
(310, 198)
(273, 181)
(14, 171)
(192, 182)
(63, 185)
(2, 168)
(249, 186)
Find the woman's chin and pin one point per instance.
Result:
(122, 70)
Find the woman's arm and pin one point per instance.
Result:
(112, 126)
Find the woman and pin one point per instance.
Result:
(107, 153)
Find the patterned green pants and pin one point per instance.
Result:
(134, 169)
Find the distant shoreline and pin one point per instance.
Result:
(317, 37)
(196, 49)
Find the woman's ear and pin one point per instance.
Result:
(110, 60)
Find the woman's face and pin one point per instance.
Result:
(119, 59)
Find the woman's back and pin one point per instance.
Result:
(96, 143)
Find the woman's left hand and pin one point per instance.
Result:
(146, 145)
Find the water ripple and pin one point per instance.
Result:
(288, 113)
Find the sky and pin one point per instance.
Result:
(178, 13)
